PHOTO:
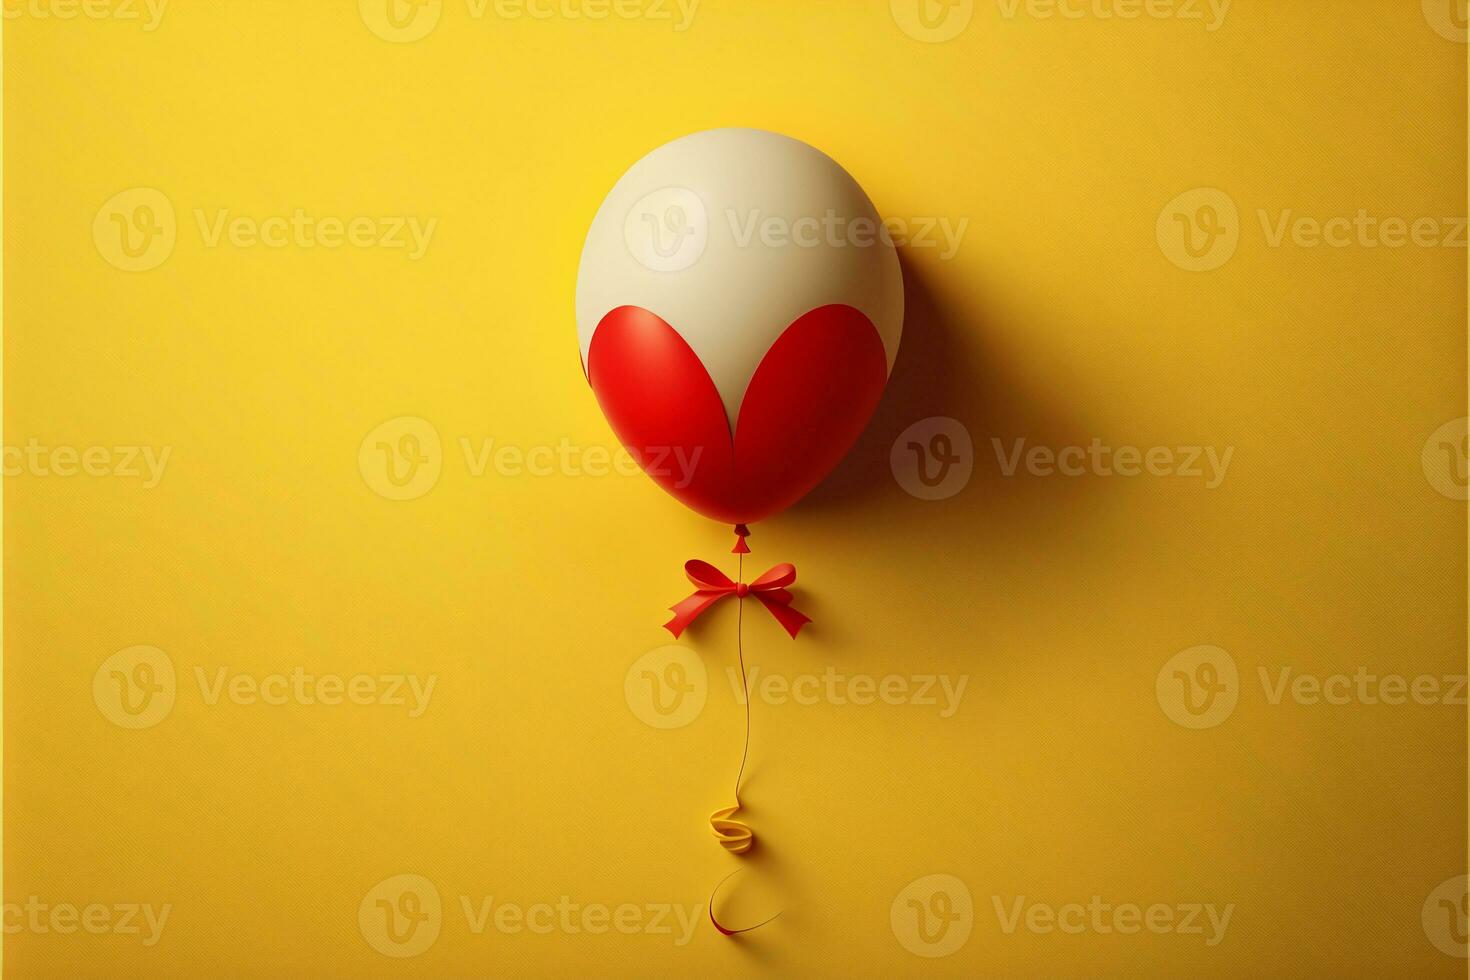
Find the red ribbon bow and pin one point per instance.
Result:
(712, 585)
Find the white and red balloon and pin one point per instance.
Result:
(739, 309)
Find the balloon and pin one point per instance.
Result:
(739, 308)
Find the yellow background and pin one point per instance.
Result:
(1061, 319)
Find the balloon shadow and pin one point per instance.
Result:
(953, 363)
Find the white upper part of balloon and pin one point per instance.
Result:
(729, 235)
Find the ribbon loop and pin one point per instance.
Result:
(778, 577)
(706, 577)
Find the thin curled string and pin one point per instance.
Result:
(734, 835)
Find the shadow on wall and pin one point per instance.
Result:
(953, 362)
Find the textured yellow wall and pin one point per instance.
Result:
(1136, 766)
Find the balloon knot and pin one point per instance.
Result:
(741, 533)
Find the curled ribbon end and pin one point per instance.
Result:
(734, 835)
(726, 930)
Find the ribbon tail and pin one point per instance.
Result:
(725, 930)
(790, 619)
(689, 609)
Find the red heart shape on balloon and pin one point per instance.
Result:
(809, 399)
